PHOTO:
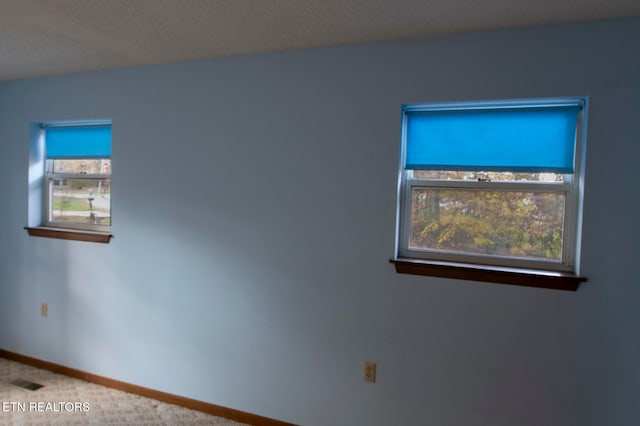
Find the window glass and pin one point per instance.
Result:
(82, 166)
(488, 176)
(81, 201)
(493, 223)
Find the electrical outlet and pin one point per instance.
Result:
(44, 310)
(370, 372)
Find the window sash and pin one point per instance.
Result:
(525, 186)
(48, 205)
(568, 241)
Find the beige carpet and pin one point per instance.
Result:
(66, 401)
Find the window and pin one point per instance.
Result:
(76, 180)
(492, 186)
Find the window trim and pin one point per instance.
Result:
(554, 280)
(69, 234)
(529, 272)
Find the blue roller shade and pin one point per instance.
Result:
(78, 142)
(534, 139)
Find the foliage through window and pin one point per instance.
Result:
(492, 183)
(78, 176)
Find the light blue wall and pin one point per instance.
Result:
(253, 214)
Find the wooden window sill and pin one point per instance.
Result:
(69, 234)
(494, 274)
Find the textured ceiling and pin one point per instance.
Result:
(46, 37)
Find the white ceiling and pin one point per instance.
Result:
(46, 37)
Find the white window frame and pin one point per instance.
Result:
(50, 176)
(572, 187)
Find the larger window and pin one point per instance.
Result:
(492, 184)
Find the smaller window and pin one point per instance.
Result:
(77, 181)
